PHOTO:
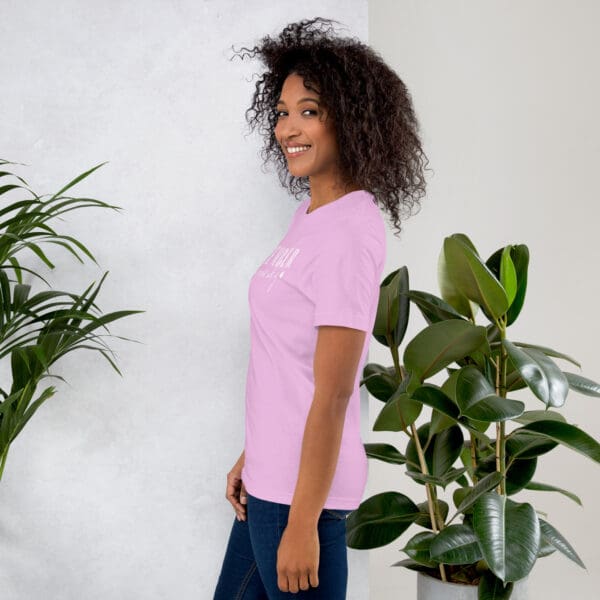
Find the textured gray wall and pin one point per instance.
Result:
(115, 489)
(508, 96)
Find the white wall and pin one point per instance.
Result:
(508, 96)
(115, 489)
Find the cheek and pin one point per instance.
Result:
(330, 145)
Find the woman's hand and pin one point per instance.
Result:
(298, 558)
(236, 492)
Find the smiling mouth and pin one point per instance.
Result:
(297, 152)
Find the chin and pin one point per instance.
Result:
(298, 173)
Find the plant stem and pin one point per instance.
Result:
(473, 458)
(501, 426)
(432, 503)
(438, 513)
(431, 495)
(501, 456)
(396, 358)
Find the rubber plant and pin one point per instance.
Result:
(475, 438)
(37, 329)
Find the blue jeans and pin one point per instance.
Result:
(249, 570)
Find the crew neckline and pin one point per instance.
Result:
(340, 202)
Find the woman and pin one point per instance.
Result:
(339, 124)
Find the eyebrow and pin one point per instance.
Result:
(280, 101)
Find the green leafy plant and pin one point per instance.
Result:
(487, 538)
(38, 329)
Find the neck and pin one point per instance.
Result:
(321, 194)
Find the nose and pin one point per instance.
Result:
(288, 128)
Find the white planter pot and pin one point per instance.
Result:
(429, 588)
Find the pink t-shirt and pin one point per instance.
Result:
(325, 271)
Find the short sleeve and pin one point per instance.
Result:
(346, 282)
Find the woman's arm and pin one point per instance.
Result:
(336, 358)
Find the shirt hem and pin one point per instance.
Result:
(333, 502)
(353, 321)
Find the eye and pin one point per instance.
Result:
(309, 110)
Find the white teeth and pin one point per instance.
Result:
(292, 149)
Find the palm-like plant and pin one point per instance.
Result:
(498, 539)
(37, 329)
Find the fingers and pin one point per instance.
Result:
(304, 581)
(233, 496)
(295, 582)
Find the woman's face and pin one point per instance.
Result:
(301, 122)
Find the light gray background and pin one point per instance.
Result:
(115, 489)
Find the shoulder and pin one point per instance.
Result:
(363, 227)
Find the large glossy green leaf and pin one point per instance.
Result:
(508, 275)
(471, 386)
(554, 537)
(458, 495)
(424, 519)
(541, 374)
(492, 588)
(385, 452)
(544, 487)
(440, 453)
(433, 396)
(445, 450)
(439, 421)
(450, 292)
(546, 548)
(567, 435)
(432, 308)
(379, 520)
(519, 255)
(548, 352)
(444, 414)
(398, 413)
(477, 401)
(473, 279)
(409, 563)
(518, 473)
(449, 389)
(450, 476)
(380, 381)
(583, 385)
(418, 546)
(456, 545)
(484, 485)
(495, 409)
(440, 344)
(526, 444)
(529, 416)
(393, 308)
(508, 534)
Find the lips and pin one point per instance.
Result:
(291, 154)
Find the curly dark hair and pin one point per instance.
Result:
(376, 128)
